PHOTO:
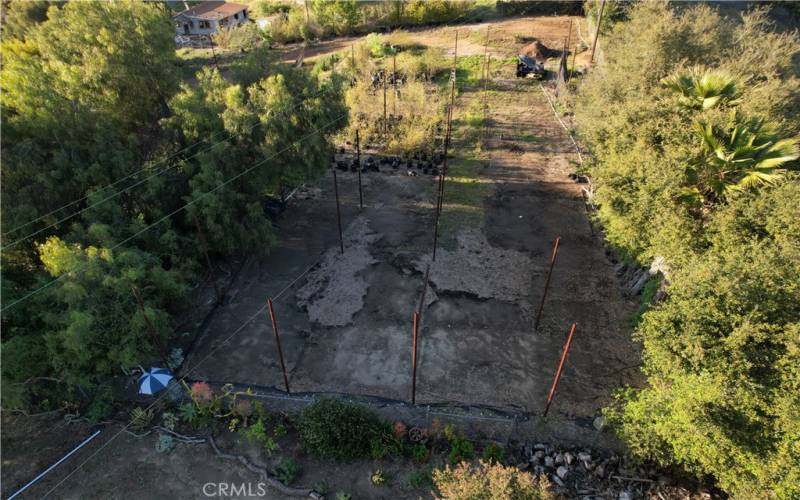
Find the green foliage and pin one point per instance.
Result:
(257, 432)
(341, 431)
(702, 88)
(188, 413)
(493, 454)
(721, 350)
(487, 482)
(242, 37)
(419, 453)
(140, 419)
(338, 17)
(286, 471)
(101, 406)
(742, 154)
(461, 448)
(21, 15)
(421, 478)
(92, 93)
(648, 294)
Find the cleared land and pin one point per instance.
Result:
(346, 324)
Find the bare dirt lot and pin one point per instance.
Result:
(346, 323)
(345, 319)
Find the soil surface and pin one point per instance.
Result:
(346, 323)
(345, 318)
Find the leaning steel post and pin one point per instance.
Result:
(560, 369)
(278, 343)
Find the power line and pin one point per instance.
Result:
(162, 219)
(142, 181)
(138, 183)
(185, 376)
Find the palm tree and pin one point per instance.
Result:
(703, 88)
(743, 154)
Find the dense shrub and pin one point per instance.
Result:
(484, 481)
(669, 117)
(341, 431)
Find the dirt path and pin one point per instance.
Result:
(503, 37)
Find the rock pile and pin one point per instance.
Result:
(589, 474)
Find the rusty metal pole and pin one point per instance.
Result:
(358, 160)
(597, 29)
(547, 282)
(151, 328)
(204, 247)
(338, 210)
(560, 368)
(415, 332)
(278, 343)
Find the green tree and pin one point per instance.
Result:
(21, 15)
(96, 326)
(336, 16)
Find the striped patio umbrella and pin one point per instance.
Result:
(154, 380)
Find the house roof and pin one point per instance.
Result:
(213, 10)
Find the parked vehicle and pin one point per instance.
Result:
(527, 67)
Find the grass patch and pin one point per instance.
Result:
(463, 199)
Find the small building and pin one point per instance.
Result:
(207, 18)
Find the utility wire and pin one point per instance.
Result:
(138, 183)
(185, 376)
(162, 219)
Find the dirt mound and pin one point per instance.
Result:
(537, 50)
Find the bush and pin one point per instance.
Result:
(460, 448)
(722, 351)
(483, 481)
(493, 454)
(341, 431)
(286, 471)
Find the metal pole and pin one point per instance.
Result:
(440, 199)
(42, 474)
(547, 282)
(569, 33)
(213, 53)
(338, 210)
(574, 54)
(414, 359)
(394, 82)
(358, 160)
(204, 247)
(424, 290)
(278, 343)
(353, 56)
(385, 123)
(560, 368)
(597, 29)
(151, 328)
